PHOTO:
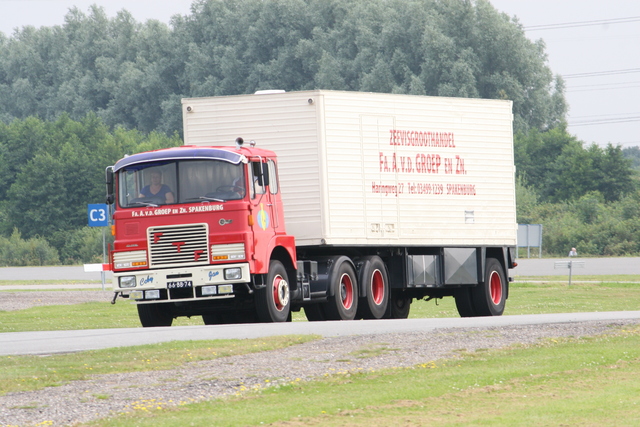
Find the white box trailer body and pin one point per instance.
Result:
(377, 169)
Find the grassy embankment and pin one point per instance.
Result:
(591, 381)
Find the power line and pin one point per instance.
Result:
(590, 116)
(604, 85)
(613, 86)
(582, 24)
(628, 119)
(606, 121)
(601, 73)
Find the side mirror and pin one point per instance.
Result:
(111, 197)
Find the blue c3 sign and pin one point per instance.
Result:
(98, 215)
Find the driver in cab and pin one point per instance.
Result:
(157, 189)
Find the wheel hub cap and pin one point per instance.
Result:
(280, 293)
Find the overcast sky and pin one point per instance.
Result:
(604, 104)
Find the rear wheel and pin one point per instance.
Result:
(489, 297)
(399, 305)
(342, 304)
(154, 315)
(273, 302)
(374, 279)
(464, 302)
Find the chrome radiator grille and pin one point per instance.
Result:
(181, 245)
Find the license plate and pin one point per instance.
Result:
(180, 284)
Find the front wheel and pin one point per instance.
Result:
(273, 302)
(154, 315)
(489, 297)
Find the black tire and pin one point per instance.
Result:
(399, 305)
(375, 282)
(342, 301)
(464, 302)
(155, 315)
(489, 297)
(273, 302)
(314, 313)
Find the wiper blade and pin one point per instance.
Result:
(153, 205)
(204, 198)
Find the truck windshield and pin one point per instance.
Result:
(183, 181)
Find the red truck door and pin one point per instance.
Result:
(264, 212)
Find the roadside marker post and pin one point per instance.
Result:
(571, 264)
(98, 216)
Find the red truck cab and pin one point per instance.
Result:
(196, 227)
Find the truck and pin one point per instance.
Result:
(345, 205)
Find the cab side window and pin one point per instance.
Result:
(263, 175)
(273, 177)
(257, 183)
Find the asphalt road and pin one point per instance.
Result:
(581, 266)
(50, 342)
(75, 273)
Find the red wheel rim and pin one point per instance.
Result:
(377, 287)
(346, 291)
(495, 288)
(280, 293)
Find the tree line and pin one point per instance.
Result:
(74, 98)
(49, 172)
(133, 75)
(584, 196)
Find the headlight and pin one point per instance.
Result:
(130, 259)
(209, 290)
(127, 281)
(230, 252)
(233, 273)
(225, 289)
(152, 294)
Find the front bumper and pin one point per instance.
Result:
(182, 284)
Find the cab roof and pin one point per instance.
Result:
(189, 152)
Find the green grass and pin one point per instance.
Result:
(590, 381)
(25, 373)
(524, 298)
(534, 298)
(549, 297)
(92, 315)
